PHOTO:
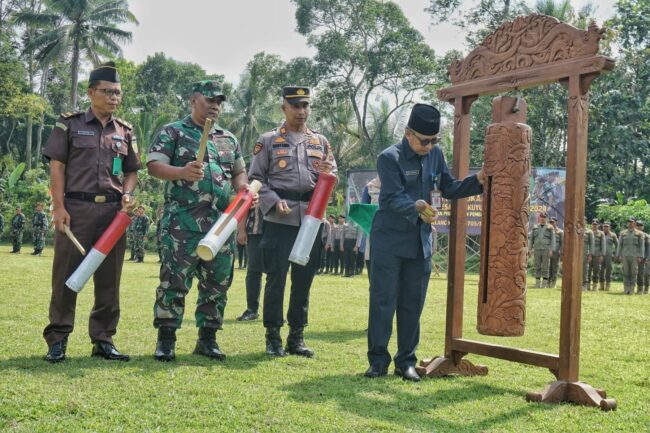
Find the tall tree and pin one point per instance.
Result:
(79, 29)
(366, 49)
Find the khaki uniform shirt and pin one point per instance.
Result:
(288, 162)
(599, 243)
(542, 238)
(611, 242)
(631, 243)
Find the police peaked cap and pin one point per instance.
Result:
(296, 94)
(424, 119)
(105, 72)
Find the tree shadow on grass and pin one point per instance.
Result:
(81, 366)
(421, 407)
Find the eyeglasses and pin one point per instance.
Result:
(425, 142)
(111, 92)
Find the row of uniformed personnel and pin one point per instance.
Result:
(601, 249)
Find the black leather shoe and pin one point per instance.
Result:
(376, 370)
(248, 315)
(274, 343)
(207, 345)
(56, 352)
(108, 351)
(166, 344)
(408, 373)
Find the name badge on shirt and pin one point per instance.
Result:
(117, 166)
(86, 133)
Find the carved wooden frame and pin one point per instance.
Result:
(528, 51)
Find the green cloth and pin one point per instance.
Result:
(362, 214)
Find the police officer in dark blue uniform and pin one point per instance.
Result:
(410, 172)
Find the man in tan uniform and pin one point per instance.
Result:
(93, 173)
(630, 252)
(596, 254)
(288, 161)
(611, 243)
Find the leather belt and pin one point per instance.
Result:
(95, 198)
(292, 195)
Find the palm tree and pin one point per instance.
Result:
(76, 28)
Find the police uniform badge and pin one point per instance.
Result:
(258, 148)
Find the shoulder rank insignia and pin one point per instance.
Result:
(279, 140)
(258, 148)
(69, 114)
(61, 125)
(124, 123)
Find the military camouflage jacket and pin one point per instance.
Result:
(39, 222)
(195, 206)
(17, 223)
(141, 225)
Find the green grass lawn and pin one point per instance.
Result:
(252, 393)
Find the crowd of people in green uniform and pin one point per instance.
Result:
(602, 248)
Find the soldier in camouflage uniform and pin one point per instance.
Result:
(642, 272)
(159, 235)
(554, 263)
(611, 243)
(196, 194)
(2, 225)
(17, 226)
(596, 254)
(39, 229)
(630, 252)
(587, 257)
(140, 230)
(542, 242)
(130, 240)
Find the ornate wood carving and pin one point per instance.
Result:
(524, 43)
(504, 227)
(573, 392)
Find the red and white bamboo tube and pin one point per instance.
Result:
(226, 225)
(98, 253)
(312, 219)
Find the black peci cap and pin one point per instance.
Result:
(105, 72)
(424, 119)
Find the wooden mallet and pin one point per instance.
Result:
(203, 144)
(74, 240)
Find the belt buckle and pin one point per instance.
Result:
(100, 199)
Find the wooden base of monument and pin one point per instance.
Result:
(441, 366)
(573, 392)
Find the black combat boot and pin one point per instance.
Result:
(166, 344)
(274, 343)
(296, 344)
(207, 345)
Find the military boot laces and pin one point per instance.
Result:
(207, 345)
(274, 343)
(166, 344)
(296, 344)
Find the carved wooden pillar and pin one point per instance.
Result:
(458, 221)
(504, 226)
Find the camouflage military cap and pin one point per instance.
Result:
(553, 219)
(631, 219)
(209, 89)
